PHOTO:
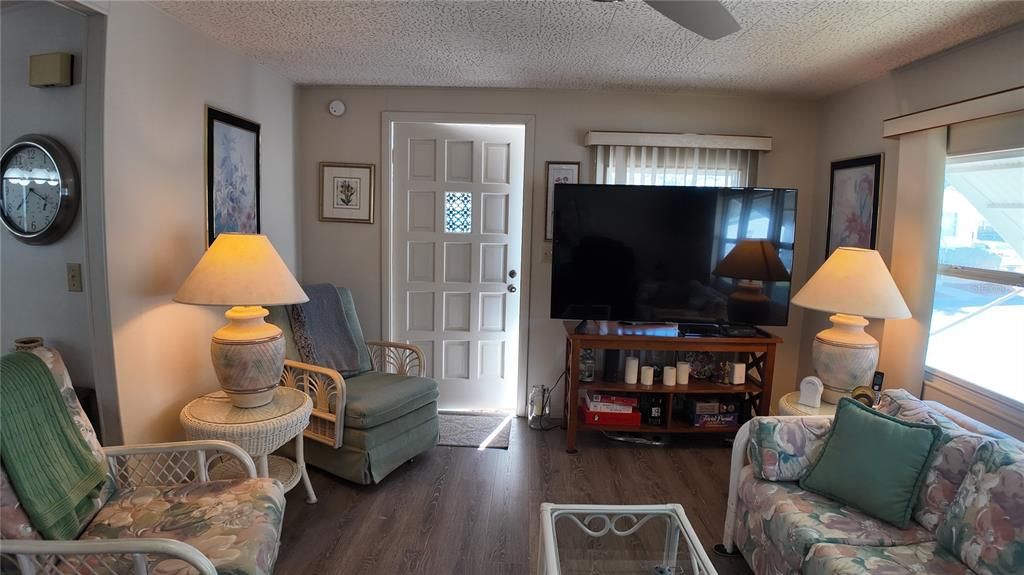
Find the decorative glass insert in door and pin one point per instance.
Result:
(458, 212)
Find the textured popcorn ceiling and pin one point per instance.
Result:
(809, 48)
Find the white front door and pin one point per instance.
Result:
(456, 245)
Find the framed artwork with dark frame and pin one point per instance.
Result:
(557, 173)
(346, 192)
(232, 174)
(855, 188)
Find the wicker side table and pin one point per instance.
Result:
(257, 430)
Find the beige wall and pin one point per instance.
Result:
(851, 126)
(349, 254)
(159, 78)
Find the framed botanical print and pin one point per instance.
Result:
(557, 173)
(346, 192)
(232, 174)
(855, 188)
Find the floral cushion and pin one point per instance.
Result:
(952, 458)
(930, 558)
(794, 520)
(781, 449)
(945, 473)
(14, 523)
(985, 523)
(752, 541)
(900, 403)
(894, 401)
(235, 523)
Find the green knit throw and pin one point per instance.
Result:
(49, 463)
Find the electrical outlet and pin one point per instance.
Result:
(74, 276)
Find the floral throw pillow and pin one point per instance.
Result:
(945, 474)
(985, 524)
(782, 448)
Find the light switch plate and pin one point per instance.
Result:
(74, 276)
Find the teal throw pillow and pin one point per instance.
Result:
(874, 462)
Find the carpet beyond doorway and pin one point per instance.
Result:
(479, 430)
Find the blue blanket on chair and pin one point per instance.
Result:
(327, 330)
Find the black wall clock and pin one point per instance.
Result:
(40, 193)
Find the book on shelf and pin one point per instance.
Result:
(616, 399)
(603, 407)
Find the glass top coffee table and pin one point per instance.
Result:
(619, 539)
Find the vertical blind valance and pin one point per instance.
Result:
(674, 166)
(995, 133)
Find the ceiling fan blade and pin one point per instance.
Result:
(709, 18)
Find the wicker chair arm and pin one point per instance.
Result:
(114, 556)
(327, 389)
(398, 358)
(171, 463)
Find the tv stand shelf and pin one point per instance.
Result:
(758, 353)
(696, 386)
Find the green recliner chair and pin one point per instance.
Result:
(363, 426)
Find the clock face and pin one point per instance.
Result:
(31, 190)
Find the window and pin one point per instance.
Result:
(669, 166)
(977, 327)
(458, 212)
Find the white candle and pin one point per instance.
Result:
(682, 372)
(668, 375)
(632, 366)
(646, 375)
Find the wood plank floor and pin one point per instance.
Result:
(462, 511)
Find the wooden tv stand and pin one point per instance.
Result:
(758, 352)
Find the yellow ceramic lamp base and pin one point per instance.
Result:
(248, 356)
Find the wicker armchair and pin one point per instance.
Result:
(158, 512)
(132, 467)
(365, 426)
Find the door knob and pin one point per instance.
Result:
(512, 273)
(512, 289)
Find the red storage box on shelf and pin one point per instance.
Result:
(610, 419)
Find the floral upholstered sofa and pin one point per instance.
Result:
(969, 516)
(158, 512)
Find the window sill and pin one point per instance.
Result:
(998, 411)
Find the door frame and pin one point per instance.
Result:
(388, 120)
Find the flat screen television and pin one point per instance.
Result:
(659, 254)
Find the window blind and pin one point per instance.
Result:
(674, 166)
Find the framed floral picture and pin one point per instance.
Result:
(346, 192)
(854, 192)
(557, 173)
(232, 174)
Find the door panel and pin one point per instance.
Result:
(457, 236)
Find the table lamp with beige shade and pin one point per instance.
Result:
(244, 271)
(853, 283)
